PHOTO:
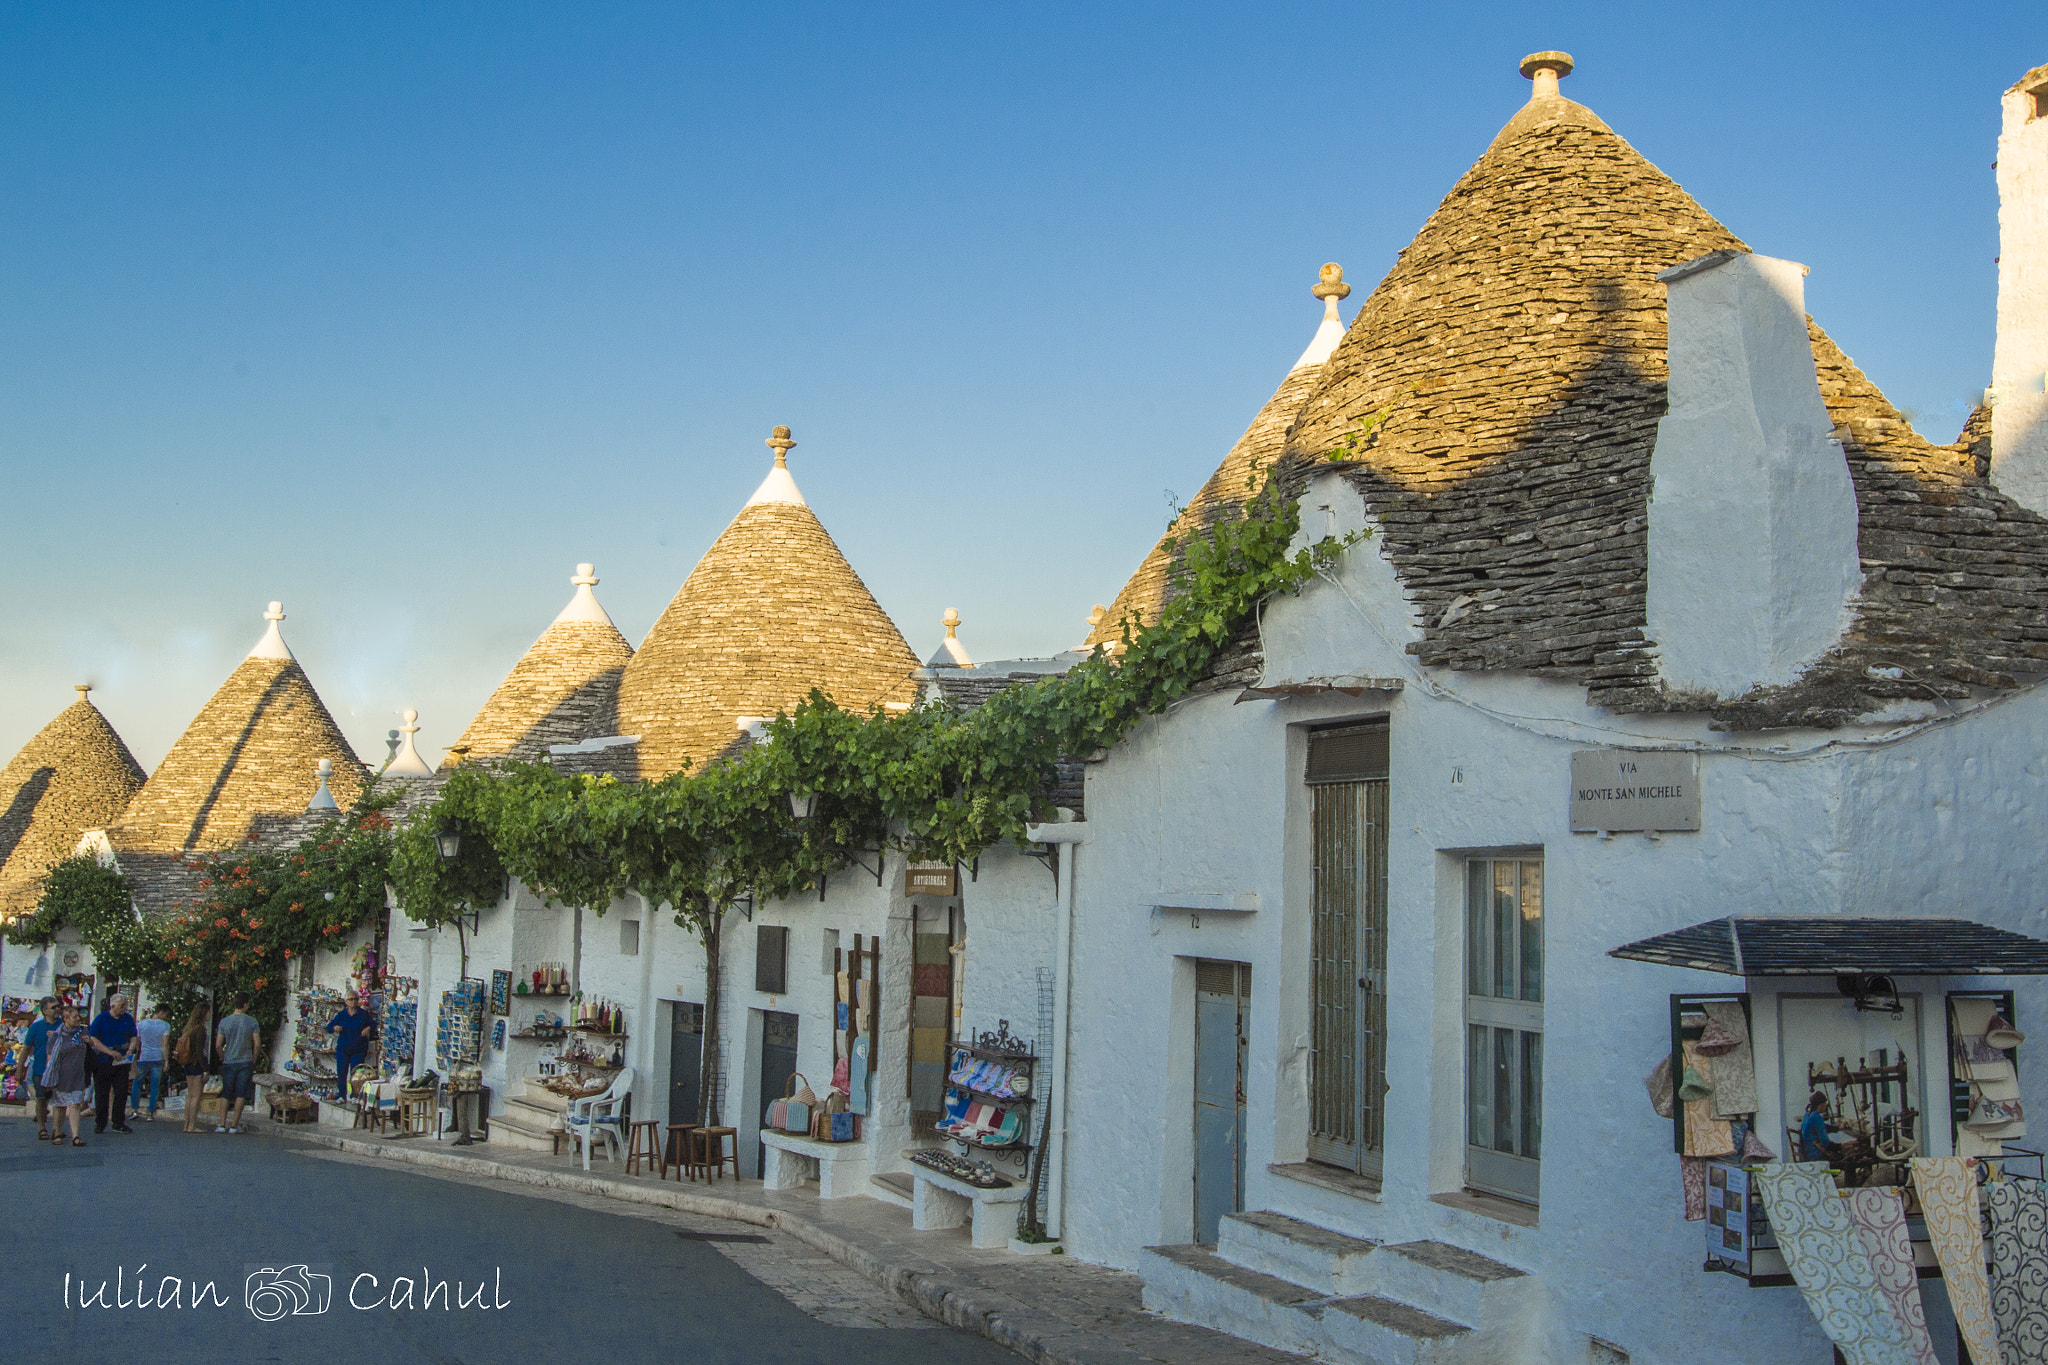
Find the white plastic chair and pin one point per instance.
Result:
(601, 1115)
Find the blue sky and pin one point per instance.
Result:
(397, 312)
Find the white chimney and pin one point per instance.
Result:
(2019, 408)
(1752, 528)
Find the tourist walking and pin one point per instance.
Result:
(36, 1040)
(65, 1074)
(150, 1035)
(113, 1045)
(355, 1028)
(239, 1040)
(190, 1055)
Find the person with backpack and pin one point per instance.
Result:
(190, 1055)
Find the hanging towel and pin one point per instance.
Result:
(1879, 1217)
(1947, 1186)
(857, 1088)
(1705, 1135)
(2019, 1268)
(1811, 1221)
(1658, 1083)
(1734, 1068)
(1692, 1177)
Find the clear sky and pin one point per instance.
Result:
(397, 312)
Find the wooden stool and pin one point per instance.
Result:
(680, 1147)
(415, 1111)
(712, 1153)
(649, 1150)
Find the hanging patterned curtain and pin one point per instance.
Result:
(1812, 1223)
(1947, 1187)
(2019, 1268)
(1879, 1217)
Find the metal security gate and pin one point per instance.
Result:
(1347, 774)
(1223, 996)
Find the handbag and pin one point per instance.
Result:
(832, 1107)
(797, 1108)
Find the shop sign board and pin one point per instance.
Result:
(1728, 1214)
(933, 879)
(1625, 789)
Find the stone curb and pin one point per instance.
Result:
(934, 1294)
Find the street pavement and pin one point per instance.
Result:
(417, 1268)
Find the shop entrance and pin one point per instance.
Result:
(778, 1064)
(1504, 1025)
(1347, 777)
(1223, 997)
(685, 1060)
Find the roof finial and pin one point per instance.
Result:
(323, 799)
(1546, 69)
(583, 604)
(951, 620)
(272, 645)
(407, 761)
(82, 689)
(1330, 287)
(950, 653)
(586, 576)
(779, 442)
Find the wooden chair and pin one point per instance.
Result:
(643, 1143)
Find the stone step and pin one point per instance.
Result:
(529, 1112)
(1461, 1284)
(522, 1132)
(1276, 1244)
(537, 1095)
(893, 1187)
(1370, 1328)
(1193, 1284)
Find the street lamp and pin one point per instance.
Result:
(449, 840)
(800, 804)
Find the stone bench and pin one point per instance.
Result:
(939, 1201)
(840, 1168)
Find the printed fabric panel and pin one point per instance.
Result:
(1811, 1220)
(1947, 1187)
(1879, 1217)
(2019, 1268)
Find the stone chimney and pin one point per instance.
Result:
(2019, 408)
(1752, 527)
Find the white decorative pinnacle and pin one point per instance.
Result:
(583, 606)
(951, 653)
(1329, 287)
(407, 761)
(323, 799)
(272, 645)
(779, 486)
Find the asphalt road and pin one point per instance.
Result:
(524, 1277)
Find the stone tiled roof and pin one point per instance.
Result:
(75, 775)
(563, 689)
(1521, 341)
(245, 765)
(771, 611)
(1240, 475)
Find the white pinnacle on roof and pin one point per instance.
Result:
(584, 605)
(1329, 289)
(779, 486)
(951, 653)
(323, 799)
(272, 645)
(407, 761)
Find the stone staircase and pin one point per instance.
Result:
(529, 1118)
(1297, 1287)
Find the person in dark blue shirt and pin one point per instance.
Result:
(37, 1040)
(113, 1047)
(355, 1028)
(1813, 1129)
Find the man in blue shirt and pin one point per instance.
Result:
(355, 1027)
(37, 1039)
(112, 1036)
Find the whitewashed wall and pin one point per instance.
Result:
(1209, 800)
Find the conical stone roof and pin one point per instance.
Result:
(771, 611)
(75, 775)
(565, 688)
(245, 765)
(1240, 476)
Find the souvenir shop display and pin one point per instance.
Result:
(857, 980)
(595, 1014)
(498, 1036)
(74, 988)
(312, 1045)
(549, 978)
(979, 1174)
(398, 1029)
(501, 992)
(990, 1088)
(458, 1031)
(546, 1025)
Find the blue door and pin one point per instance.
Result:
(1222, 1001)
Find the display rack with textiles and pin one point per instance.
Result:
(458, 1032)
